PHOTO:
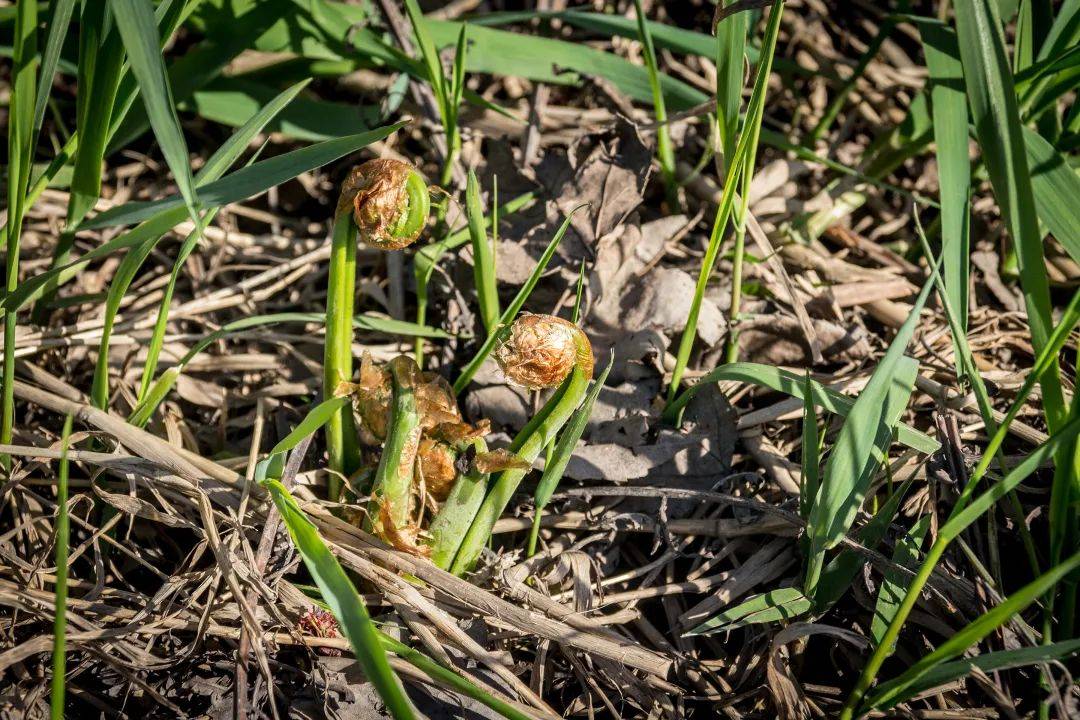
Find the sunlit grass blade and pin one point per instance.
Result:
(792, 384)
(773, 606)
(992, 98)
(160, 388)
(487, 292)
(215, 167)
(950, 112)
(890, 693)
(20, 153)
(1056, 186)
(515, 305)
(862, 445)
(892, 584)
(730, 68)
(162, 215)
(451, 679)
(429, 54)
(840, 572)
(556, 464)
(344, 602)
(57, 25)
(810, 475)
(59, 664)
(948, 672)
(665, 153)
(135, 21)
(742, 161)
(249, 181)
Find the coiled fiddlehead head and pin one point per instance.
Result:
(541, 350)
(389, 202)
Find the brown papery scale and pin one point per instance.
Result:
(377, 193)
(541, 350)
(437, 467)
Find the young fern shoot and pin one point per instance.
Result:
(538, 351)
(384, 202)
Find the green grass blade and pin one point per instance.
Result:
(429, 54)
(344, 602)
(992, 97)
(448, 677)
(160, 388)
(483, 257)
(1056, 188)
(949, 672)
(893, 583)
(841, 570)
(162, 215)
(135, 21)
(133, 260)
(57, 26)
(20, 152)
(63, 528)
(888, 694)
(247, 182)
(515, 305)
(810, 477)
(730, 67)
(564, 450)
(859, 450)
(742, 162)
(773, 606)
(215, 167)
(792, 384)
(950, 111)
(665, 153)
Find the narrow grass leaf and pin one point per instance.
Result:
(864, 439)
(810, 476)
(949, 672)
(135, 21)
(428, 53)
(950, 111)
(57, 31)
(893, 584)
(515, 305)
(889, 693)
(20, 122)
(247, 182)
(1056, 187)
(992, 97)
(792, 384)
(840, 572)
(483, 257)
(730, 68)
(344, 602)
(773, 606)
(63, 528)
(451, 679)
(665, 153)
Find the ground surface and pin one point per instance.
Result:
(635, 552)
